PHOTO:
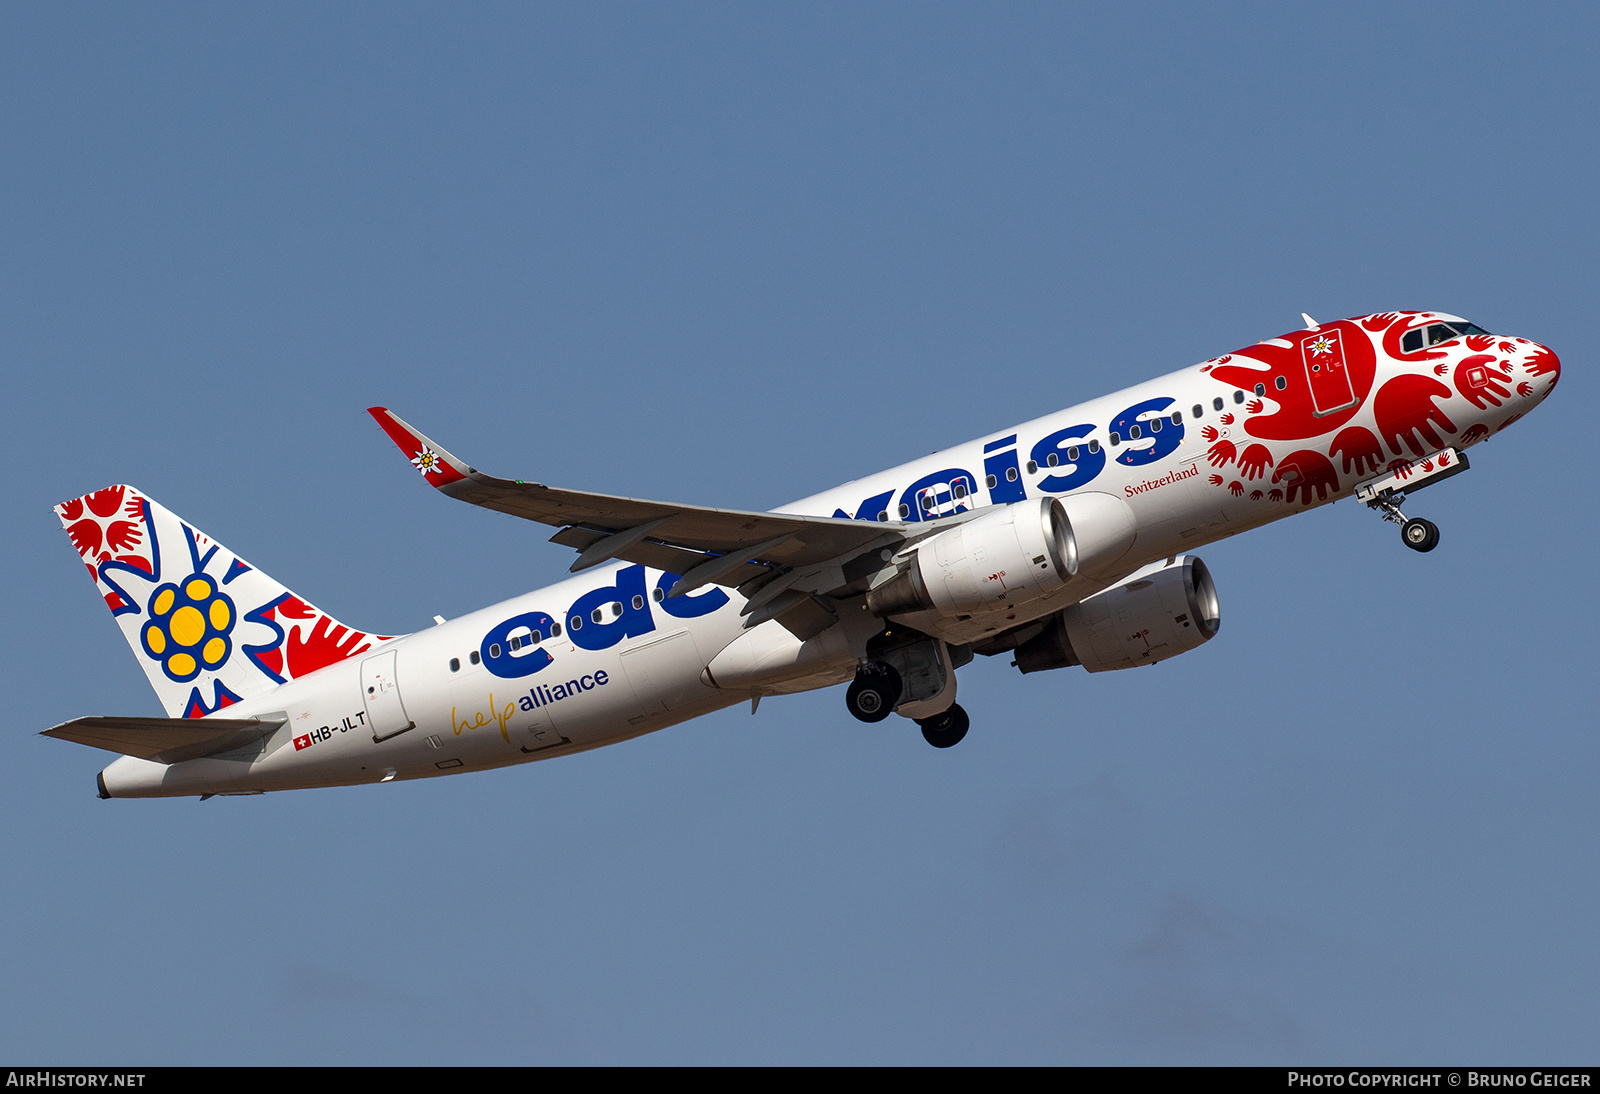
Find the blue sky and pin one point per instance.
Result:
(734, 255)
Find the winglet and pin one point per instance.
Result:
(439, 467)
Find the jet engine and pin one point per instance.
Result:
(1008, 554)
(1158, 612)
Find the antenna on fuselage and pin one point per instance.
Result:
(1311, 324)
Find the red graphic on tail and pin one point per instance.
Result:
(98, 537)
(86, 536)
(312, 640)
(323, 643)
(105, 503)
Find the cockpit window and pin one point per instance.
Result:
(1435, 333)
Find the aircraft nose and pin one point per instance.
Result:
(1542, 368)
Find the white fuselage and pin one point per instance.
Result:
(473, 703)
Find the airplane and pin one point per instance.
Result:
(1063, 541)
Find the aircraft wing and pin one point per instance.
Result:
(777, 559)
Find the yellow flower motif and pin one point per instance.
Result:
(427, 461)
(188, 627)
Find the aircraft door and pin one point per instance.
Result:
(380, 690)
(1323, 356)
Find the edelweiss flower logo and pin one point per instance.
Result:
(1322, 345)
(427, 461)
(188, 627)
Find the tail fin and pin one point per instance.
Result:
(208, 628)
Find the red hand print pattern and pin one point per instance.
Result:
(98, 538)
(1255, 460)
(1544, 363)
(1405, 412)
(1479, 380)
(323, 643)
(1305, 471)
(1361, 450)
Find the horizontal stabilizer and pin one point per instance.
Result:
(166, 740)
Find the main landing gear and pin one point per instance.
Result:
(1415, 533)
(945, 728)
(875, 692)
(878, 689)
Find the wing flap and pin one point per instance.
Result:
(658, 556)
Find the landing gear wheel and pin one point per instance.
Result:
(945, 728)
(875, 692)
(1419, 534)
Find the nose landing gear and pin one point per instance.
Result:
(1419, 534)
(1388, 492)
(1415, 533)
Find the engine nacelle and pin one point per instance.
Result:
(1158, 612)
(1008, 554)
